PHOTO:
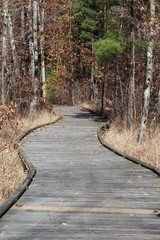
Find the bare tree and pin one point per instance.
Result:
(23, 22)
(33, 104)
(31, 48)
(92, 76)
(13, 48)
(132, 104)
(104, 78)
(149, 74)
(42, 50)
(71, 54)
(4, 50)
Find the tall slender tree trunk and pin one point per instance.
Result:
(103, 87)
(23, 23)
(31, 47)
(71, 57)
(24, 70)
(13, 48)
(158, 105)
(12, 41)
(92, 76)
(105, 17)
(4, 50)
(149, 74)
(133, 69)
(104, 77)
(42, 39)
(121, 91)
(132, 104)
(33, 104)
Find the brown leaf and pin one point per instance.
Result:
(139, 177)
(64, 224)
(15, 146)
(19, 205)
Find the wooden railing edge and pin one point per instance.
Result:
(122, 154)
(126, 156)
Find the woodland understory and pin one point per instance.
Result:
(101, 53)
(12, 171)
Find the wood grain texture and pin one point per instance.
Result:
(82, 191)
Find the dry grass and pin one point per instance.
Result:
(16, 125)
(95, 107)
(125, 140)
(37, 119)
(12, 173)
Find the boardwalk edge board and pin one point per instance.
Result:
(126, 156)
(27, 165)
(122, 154)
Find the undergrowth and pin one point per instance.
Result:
(12, 173)
(126, 140)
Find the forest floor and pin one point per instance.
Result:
(12, 173)
(126, 140)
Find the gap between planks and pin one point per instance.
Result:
(70, 126)
(84, 210)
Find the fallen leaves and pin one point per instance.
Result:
(96, 135)
(19, 205)
(134, 170)
(131, 215)
(64, 224)
(5, 226)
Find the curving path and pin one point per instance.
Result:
(82, 190)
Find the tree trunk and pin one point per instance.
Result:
(104, 77)
(33, 104)
(105, 18)
(158, 106)
(71, 57)
(121, 91)
(149, 74)
(92, 82)
(24, 70)
(42, 52)
(103, 87)
(132, 104)
(23, 23)
(133, 69)
(31, 47)
(13, 48)
(4, 50)
(92, 76)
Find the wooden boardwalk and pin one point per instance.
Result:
(82, 191)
